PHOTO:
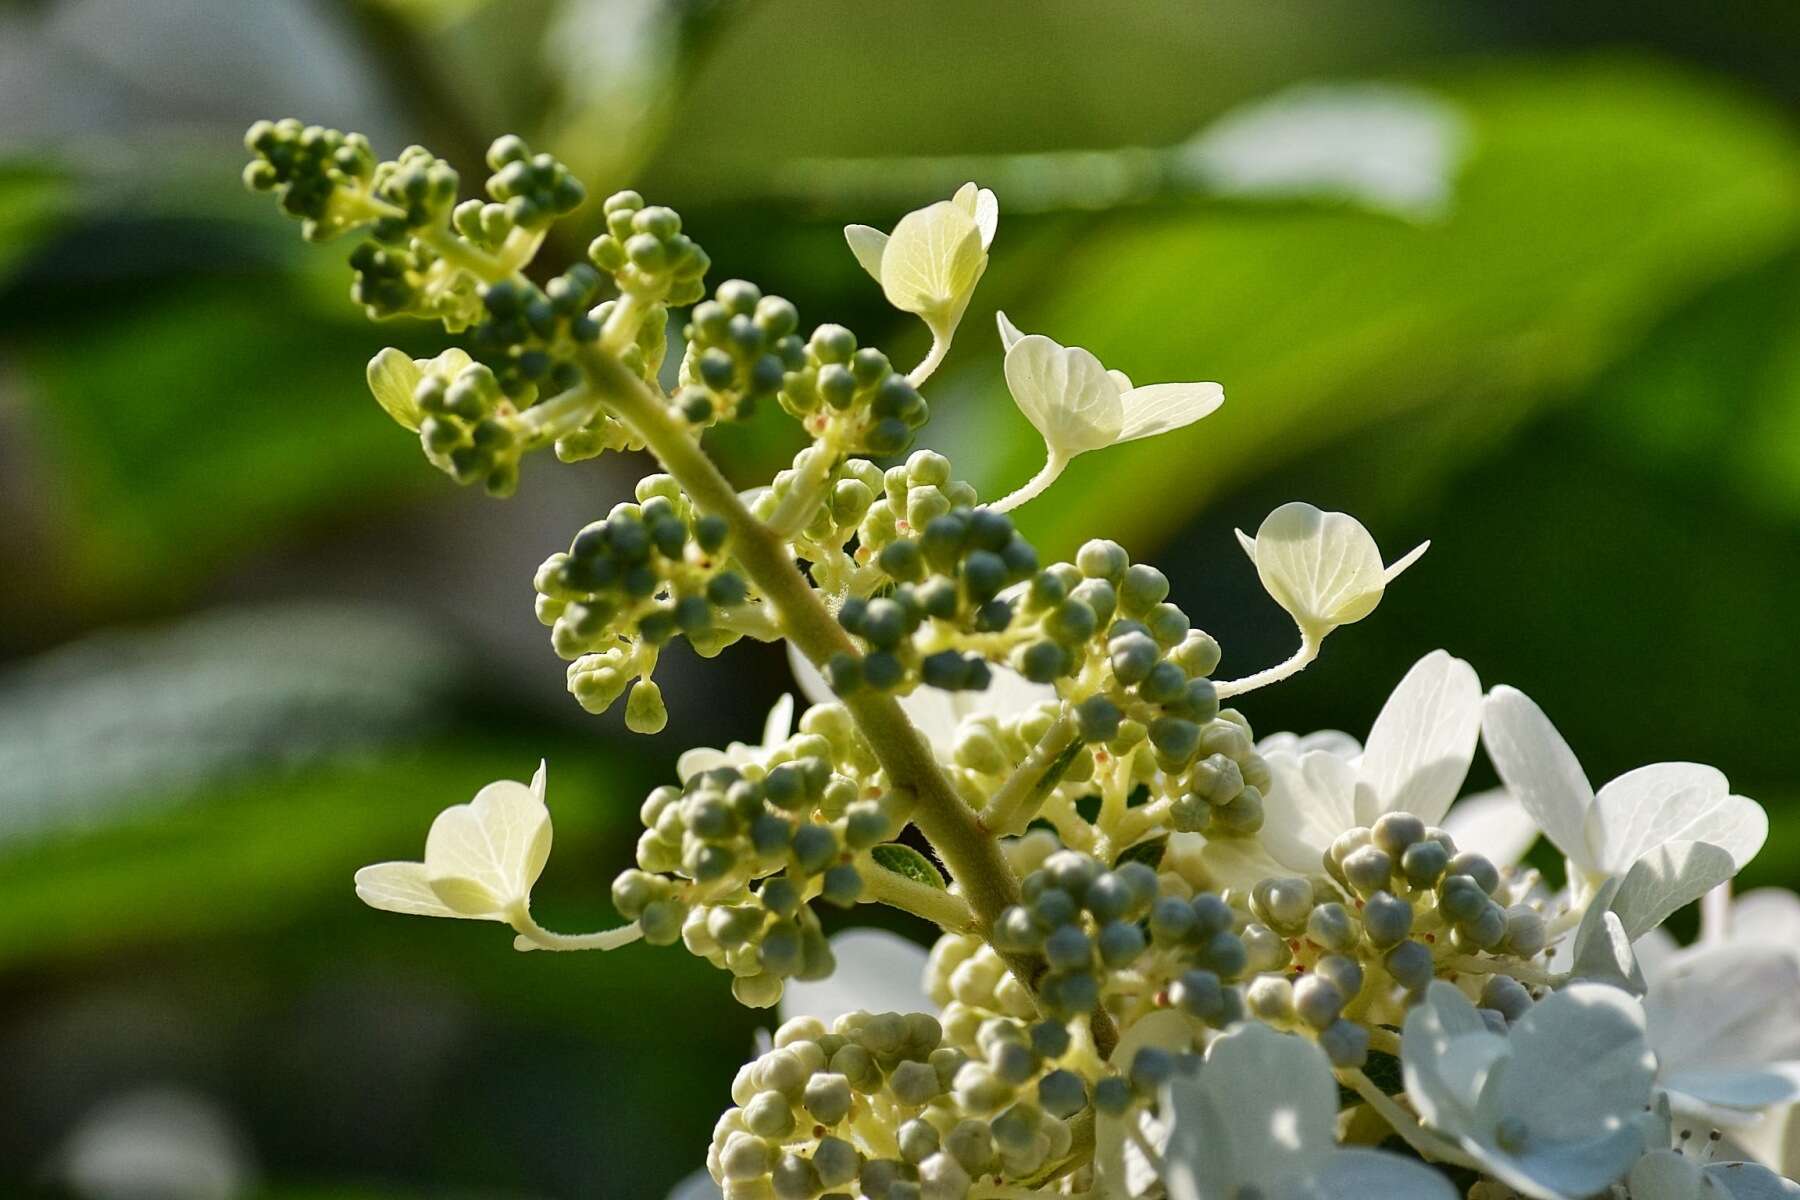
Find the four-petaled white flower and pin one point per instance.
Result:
(777, 726)
(1322, 567)
(1555, 1109)
(1418, 753)
(1078, 405)
(1660, 828)
(1259, 1119)
(1668, 1173)
(481, 862)
(930, 264)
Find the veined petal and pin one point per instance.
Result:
(1275, 1099)
(1445, 1087)
(1009, 333)
(1120, 1167)
(1494, 823)
(1719, 1008)
(1160, 407)
(1311, 800)
(485, 855)
(1580, 1060)
(932, 261)
(1669, 877)
(983, 206)
(1538, 767)
(403, 888)
(1065, 393)
(877, 971)
(780, 721)
(1418, 751)
(1322, 567)
(1751, 1181)
(868, 244)
(1664, 802)
(393, 376)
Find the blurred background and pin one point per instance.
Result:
(1519, 276)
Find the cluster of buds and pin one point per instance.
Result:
(315, 173)
(646, 253)
(881, 1106)
(1221, 793)
(629, 583)
(740, 345)
(729, 862)
(1370, 936)
(851, 397)
(951, 575)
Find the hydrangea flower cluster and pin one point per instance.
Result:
(1174, 960)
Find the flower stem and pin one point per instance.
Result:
(1428, 1144)
(533, 936)
(1309, 650)
(1523, 972)
(942, 908)
(1034, 487)
(934, 357)
(1023, 791)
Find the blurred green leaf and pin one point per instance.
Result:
(185, 426)
(905, 861)
(1598, 195)
(267, 852)
(32, 201)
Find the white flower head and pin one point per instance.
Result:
(930, 264)
(777, 727)
(1553, 1109)
(1724, 1021)
(1322, 567)
(1668, 1173)
(1671, 831)
(1260, 1119)
(1078, 405)
(481, 858)
(1417, 756)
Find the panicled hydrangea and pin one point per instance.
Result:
(1174, 962)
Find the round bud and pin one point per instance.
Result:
(1120, 944)
(769, 1115)
(1411, 965)
(1267, 950)
(1367, 869)
(1396, 831)
(1343, 971)
(1478, 868)
(1331, 926)
(745, 1157)
(1526, 932)
(1112, 1095)
(1317, 1000)
(971, 1144)
(1423, 863)
(914, 1083)
(1200, 994)
(836, 1161)
(1488, 929)
(1270, 998)
(1461, 899)
(1151, 1067)
(1507, 996)
(1172, 920)
(1345, 1043)
(1283, 903)
(1062, 1093)
(1387, 919)
(1101, 559)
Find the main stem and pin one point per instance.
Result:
(968, 850)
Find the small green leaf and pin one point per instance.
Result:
(1148, 852)
(904, 860)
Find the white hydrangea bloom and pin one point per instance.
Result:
(1556, 1108)
(1322, 567)
(929, 265)
(1417, 756)
(1077, 405)
(1259, 1119)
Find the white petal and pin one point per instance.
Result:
(1160, 407)
(779, 723)
(1580, 1061)
(868, 244)
(1666, 1175)
(1331, 741)
(1657, 953)
(402, 887)
(483, 856)
(1168, 1030)
(1446, 1087)
(1746, 1090)
(697, 759)
(1603, 951)
(1664, 802)
(1276, 1103)
(1418, 752)
(1581, 1167)
(1311, 800)
(877, 971)
(393, 377)
(1322, 567)
(1750, 1181)
(1065, 393)
(983, 206)
(932, 261)
(1667, 878)
(810, 678)
(1353, 1171)
(1721, 1007)
(1009, 333)
(1494, 824)
(1394, 569)
(1538, 767)
(1767, 916)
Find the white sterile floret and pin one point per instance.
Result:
(481, 862)
(1661, 827)
(1556, 1108)
(1725, 1025)
(1417, 756)
(1669, 1172)
(1322, 567)
(1078, 405)
(394, 377)
(777, 726)
(1259, 1119)
(930, 264)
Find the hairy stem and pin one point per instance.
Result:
(1309, 650)
(1033, 487)
(1023, 792)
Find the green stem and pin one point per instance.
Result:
(1309, 650)
(970, 852)
(1022, 793)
